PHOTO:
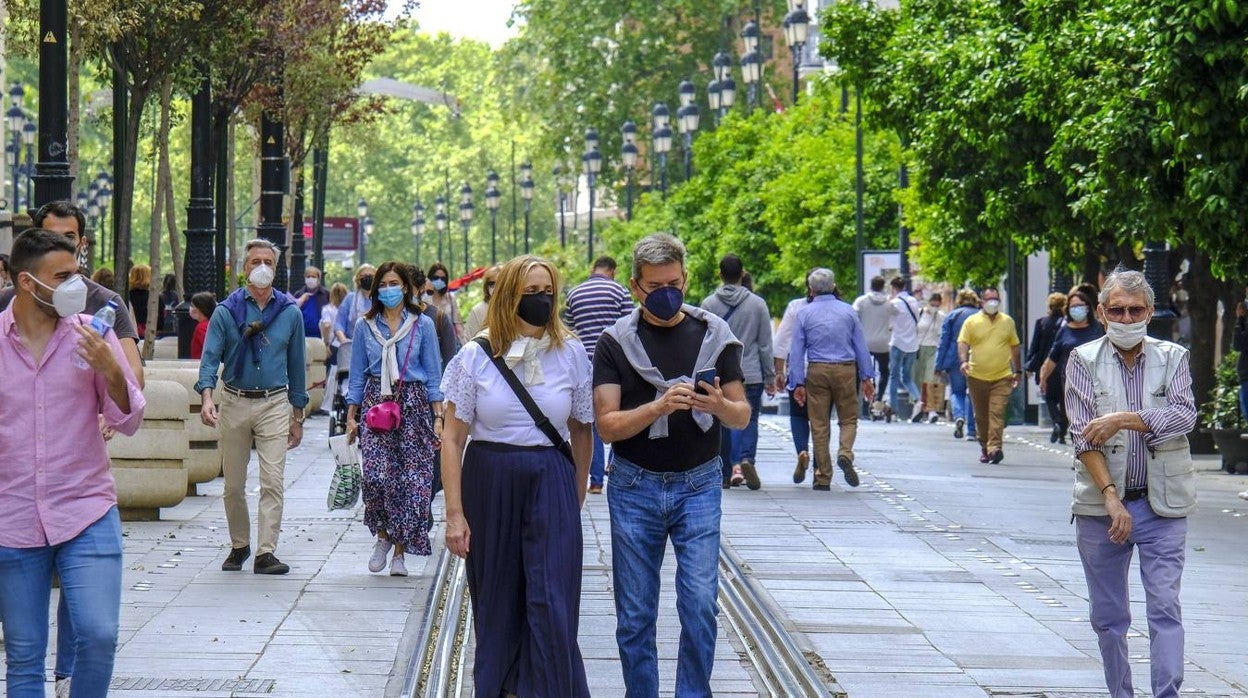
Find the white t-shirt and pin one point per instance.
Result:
(905, 323)
(329, 316)
(485, 401)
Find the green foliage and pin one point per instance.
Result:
(778, 191)
(1222, 410)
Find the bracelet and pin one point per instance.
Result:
(1108, 486)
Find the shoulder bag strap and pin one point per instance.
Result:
(910, 310)
(539, 417)
(732, 309)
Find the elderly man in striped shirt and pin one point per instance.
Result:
(593, 306)
(1129, 399)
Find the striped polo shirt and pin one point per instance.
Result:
(595, 305)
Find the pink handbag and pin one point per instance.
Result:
(386, 415)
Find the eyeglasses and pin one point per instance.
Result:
(1119, 312)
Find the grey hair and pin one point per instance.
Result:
(260, 242)
(821, 281)
(656, 250)
(1128, 281)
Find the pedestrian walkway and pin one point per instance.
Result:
(939, 576)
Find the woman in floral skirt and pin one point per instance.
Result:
(395, 357)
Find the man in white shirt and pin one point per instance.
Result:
(903, 347)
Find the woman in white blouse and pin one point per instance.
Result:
(512, 498)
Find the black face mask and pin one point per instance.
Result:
(366, 283)
(536, 308)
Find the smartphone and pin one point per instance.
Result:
(706, 374)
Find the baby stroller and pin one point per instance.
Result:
(338, 416)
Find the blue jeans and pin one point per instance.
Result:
(647, 508)
(90, 569)
(745, 441)
(799, 425)
(1243, 399)
(901, 371)
(598, 465)
(962, 407)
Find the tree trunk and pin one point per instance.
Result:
(231, 208)
(123, 206)
(171, 214)
(1202, 308)
(75, 108)
(158, 205)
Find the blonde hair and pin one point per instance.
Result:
(361, 271)
(967, 296)
(1057, 304)
(140, 276)
(501, 317)
(337, 294)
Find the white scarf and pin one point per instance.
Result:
(527, 352)
(390, 353)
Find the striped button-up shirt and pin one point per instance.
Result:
(595, 305)
(1164, 423)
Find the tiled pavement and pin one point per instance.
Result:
(939, 576)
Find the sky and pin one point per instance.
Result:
(484, 20)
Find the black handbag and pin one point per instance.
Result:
(539, 418)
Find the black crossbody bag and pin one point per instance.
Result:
(539, 418)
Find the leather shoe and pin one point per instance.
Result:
(269, 564)
(237, 557)
(983, 455)
(822, 488)
(847, 467)
(996, 456)
(751, 474)
(799, 473)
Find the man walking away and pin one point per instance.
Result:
(947, 363)
(988, 356)
(829, 336)
(750, 322)
(58, 501)
(1130, 402)
(593, 306)
(876, 313)
(665, 465)
(257, 333)
(903, 347)
(799, 421)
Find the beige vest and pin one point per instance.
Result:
(1171, 473)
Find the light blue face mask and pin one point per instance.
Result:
(391, 296)
(1079, 313)
(439, 284)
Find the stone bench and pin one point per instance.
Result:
(150, 467)
(203, 460)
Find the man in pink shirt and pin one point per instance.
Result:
(58, 503)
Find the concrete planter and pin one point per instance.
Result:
(150, 467)
(315, 355)
(203, 460)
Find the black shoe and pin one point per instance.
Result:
(269, 564)
(822, 488)
(996, 456)
(751, 475)
(957, 428)
(1062, 439)
(918, 417)
(727, 483)
(847, 467)
(237, 557)
(1055, 435)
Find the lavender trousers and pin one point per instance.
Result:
(1160, 542)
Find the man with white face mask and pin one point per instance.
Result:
(58, 501)
(1129, 399)
(989, 357)
(257, 333)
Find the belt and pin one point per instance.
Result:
(834, 363)
(254, 394)
(1133, 495)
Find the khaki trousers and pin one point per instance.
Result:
(267, 422)
(990, 399)
(829, 385)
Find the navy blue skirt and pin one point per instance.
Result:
(524, 571)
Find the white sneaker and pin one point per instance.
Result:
(62, 688)
(381, 551)
(398, 568)
(1243, 495)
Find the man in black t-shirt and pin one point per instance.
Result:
(665, 469)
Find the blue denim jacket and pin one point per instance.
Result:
(425, 365)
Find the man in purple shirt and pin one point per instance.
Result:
(58, 502)
(1129, 399)
(828, 336)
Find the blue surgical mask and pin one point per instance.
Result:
(391, 296)
(439, 284)
(1079, 313)
(665, 303)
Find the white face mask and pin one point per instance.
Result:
(67, 299)
(991, 307)
(261, 276)
(1127, 335)
(311, 282)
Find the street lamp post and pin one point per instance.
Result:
(563, 198)
(29, 132)
(51, 172)
(660, 118)
(592, 161)
(368, 228)
(17, 119)
(662, 146)
(418, 227)
(361, 211)
(796, 28)
(628, 153)
(493, 198)
(688, 123)
(439, 220)
(465, 219)
(526, 193)
(714, 99)
(751, 61)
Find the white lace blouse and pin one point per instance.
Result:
(487, 404)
